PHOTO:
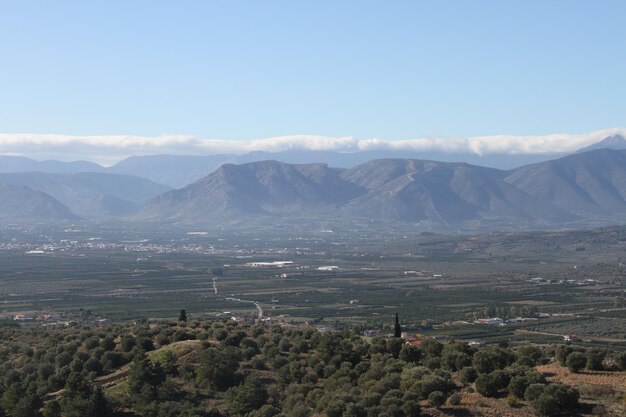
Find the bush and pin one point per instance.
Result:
(519, 383)
(489, 385)
(454, 399)
(534, 391)
(556, 400)
(437, 398)
(621, 361)
(468, 375)
(512, 401)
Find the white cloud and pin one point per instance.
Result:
(108, 149)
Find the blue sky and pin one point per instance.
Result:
(257, 69)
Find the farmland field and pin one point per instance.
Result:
(437, 284)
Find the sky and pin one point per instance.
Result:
(214, 72)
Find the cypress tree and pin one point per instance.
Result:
(397, 330)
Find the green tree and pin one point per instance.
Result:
(218, 367)
(397, 329)
(556, 400)
(250, 396)
(489, 385)
(576, 361)
(144, 378)
(562, 351)
(98, 405)
(437, 398)
(595, 359)
(182, 316)
(490, 359)
(79, 399)
(52, 409)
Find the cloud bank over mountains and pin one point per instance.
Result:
(108, 149)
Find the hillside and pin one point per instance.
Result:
(90, 194)
(590, 184)
(580, 189)
(222, 369)
(22, 204)
(267, 187)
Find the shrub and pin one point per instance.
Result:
(437, 398)
(488, 385)
(468, 375)
(555, 400)
(621, 361)
(512, 401)
(454, 399)
(533, 391)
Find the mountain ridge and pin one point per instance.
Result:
(407, 190)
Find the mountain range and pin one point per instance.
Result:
(87, 194)
(577, 189)
(584, 188)
(177, 171)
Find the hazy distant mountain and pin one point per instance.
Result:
(445, 193)
(588, 187)
(179, 171)
(615, 142)
(90, 194)
(253, 189)
(172, 170)
(21, 204)
(22, 164)
(589, 184)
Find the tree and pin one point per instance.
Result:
(576, 361)
(250, 396)
(490, 359)
(397, 330)
(437, 398)
(98, 405)
(79, 399)
(489, 385)
(562, 351)
(595, 357)
(410, 353)
(144, 378)
(468, 375)
(556, 400)
(182, 316)
(218, 367)
(52, 409)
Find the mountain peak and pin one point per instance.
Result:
(615, 142)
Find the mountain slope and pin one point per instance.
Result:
(266, 187)
(10, 163)
(21, 204)
(615, 142)
(385, 190)
(448, 193)
(172, 170)
(588, 184)
(90, 194)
